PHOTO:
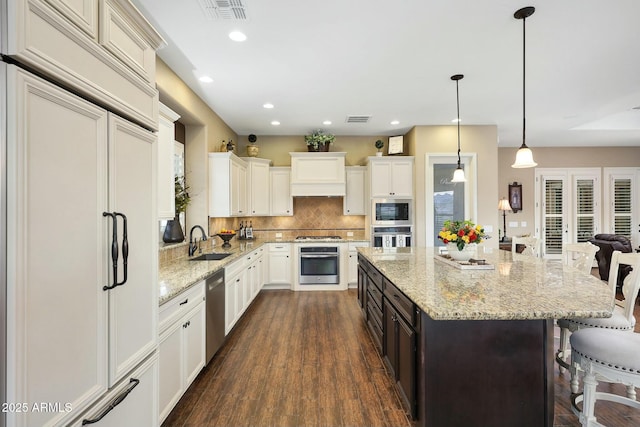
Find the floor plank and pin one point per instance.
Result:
(307, 359)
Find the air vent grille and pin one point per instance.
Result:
(358, 119)
(224, 9)
(636, 108)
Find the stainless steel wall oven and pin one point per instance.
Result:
(319, 265)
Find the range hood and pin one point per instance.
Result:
(318, 174)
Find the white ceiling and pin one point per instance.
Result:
(325, 60)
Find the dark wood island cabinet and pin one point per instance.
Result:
(472, 348)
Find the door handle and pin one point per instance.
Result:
(114, 249)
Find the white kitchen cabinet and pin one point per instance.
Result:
(235, 278)
(166, 161)
(258, 188)
(103, 49)
(318, 174)
(132, 402)
(352, 272)
(69, 337)
(279, 267)
(182, 345)
(281, 200)
(353, 201)
(391, 176)
(255, 275)
(227, 185)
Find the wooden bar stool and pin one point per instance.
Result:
(609, 355)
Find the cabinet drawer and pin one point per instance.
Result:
(376, 333)
(375, 294)
(181, 304)
(236, 267)
(372, 272)
(406, 308)
(374, 313)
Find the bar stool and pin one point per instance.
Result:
(580, 256)
(622, 317)
(604, 354)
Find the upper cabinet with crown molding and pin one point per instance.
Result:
(103, 49)
(391, 176)
(166, 169)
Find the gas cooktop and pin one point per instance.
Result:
(318, 238)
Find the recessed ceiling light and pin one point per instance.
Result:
(275, 123)
(326, 122)
(237, 36)
(395, 122)
(268, 105)
(205, 79)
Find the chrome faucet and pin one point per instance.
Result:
(193, 245)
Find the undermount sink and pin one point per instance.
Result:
(210, 257)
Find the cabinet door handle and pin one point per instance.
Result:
(133, 382)
(114, 249)
(184, 302)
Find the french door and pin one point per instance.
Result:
(621, 203)
(567, 205)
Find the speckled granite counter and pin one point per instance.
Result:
(519, 287)
(179, 275)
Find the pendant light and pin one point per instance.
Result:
(458, 175)
(524, 156)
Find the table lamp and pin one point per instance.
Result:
(504, 206)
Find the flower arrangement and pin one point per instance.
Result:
(461, 233)
(318, 137)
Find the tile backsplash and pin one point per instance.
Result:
(311, 215)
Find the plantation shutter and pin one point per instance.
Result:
(553, 214)
(585, 207)
(622, 204)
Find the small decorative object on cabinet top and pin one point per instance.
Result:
(396, 144)
(252, 149)
(319, 141)
(379, 145)
(230, 146)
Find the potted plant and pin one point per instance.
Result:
(379, 145)
(173, 231)
(319, 141)
(252, 149)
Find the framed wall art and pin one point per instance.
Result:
(515, 196)
(396, 144)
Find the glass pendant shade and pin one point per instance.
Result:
(458, 175)
(524, 158)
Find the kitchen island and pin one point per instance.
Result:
(473, 347)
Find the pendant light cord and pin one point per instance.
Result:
(524, 71)
(458, 105)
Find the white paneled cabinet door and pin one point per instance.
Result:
(353, 203)
(133, 305)
(166, 163)
(57, 242)
(259, 190)
(194, 344)
(281, 200)
(171, 364)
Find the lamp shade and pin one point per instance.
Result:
(524, 158)
(504, 205)
(458, 175)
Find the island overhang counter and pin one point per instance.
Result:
(482, 339)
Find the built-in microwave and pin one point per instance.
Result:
(392, 212)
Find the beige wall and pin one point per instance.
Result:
(548, 157)
(481, 140)
(204, 133)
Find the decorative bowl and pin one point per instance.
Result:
(226, 237)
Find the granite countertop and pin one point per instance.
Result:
(520, 286)
(175, 277)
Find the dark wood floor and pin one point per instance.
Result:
(306, 359)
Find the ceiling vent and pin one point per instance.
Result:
(233, 10)
(358, 119)
(636, 108)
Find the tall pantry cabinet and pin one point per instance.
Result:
(81, 234)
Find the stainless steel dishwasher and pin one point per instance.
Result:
(215, 313)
